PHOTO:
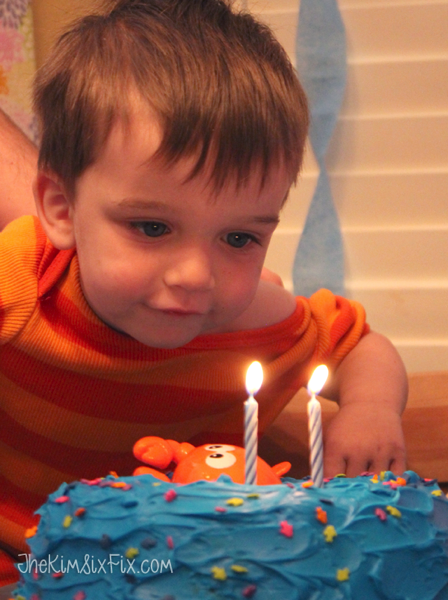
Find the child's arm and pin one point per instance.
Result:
(370, 386)
(18, 159)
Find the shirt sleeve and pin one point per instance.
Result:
(341, 323)
(18, 283)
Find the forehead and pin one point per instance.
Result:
(132, 150)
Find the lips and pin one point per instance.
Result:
(180, 312)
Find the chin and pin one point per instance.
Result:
(165, 342)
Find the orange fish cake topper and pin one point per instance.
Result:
(208, 462)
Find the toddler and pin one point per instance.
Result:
(171, 133)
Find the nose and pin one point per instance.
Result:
(191, 269)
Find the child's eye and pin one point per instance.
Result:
(237, 239)
(151, 228)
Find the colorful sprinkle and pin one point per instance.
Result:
(249, 591)
(429, 481)
(121, 485)
(114, 474)
(308, 484)
(235, 501)
(61, 499)
(393, 511)
(343, 574)
(105, 541)
(253, 496)
(80, 512)
(239, 569)
(170, 495)
(131, 553)
(170, 542)
(220, 509)
(31, 531)
(374, 479)
(379, 512)
(286, 529)
(92, 481)
(105, 483)
(329, 533)
(58, 575)
(80, 596)
(340, 475)
(436, 493)
(219, 573)
(67, 521)
(321, 515)
(394, 483)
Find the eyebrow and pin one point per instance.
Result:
(137, 204)
(267, 219)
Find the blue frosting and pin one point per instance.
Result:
(152, 540)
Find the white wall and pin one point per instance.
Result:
(388, 162)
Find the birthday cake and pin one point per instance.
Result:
(135, 538)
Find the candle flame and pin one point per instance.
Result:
(254, 378)
(318, 379)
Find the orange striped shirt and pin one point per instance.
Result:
(75, 395)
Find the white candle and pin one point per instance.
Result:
(315, 384)
(254, 379)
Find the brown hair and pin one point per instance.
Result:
(218, 80)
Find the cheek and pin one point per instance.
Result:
(239, 288)
(242, 279)
(109, 264)
(107, 284)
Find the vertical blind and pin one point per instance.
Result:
(388, 166)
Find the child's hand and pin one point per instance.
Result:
(370, 386)
(364, 437)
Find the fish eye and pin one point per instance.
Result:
(220, 461)
(222, 447)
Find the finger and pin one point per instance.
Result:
(394, 460)
(334, 465)
(357, 465)
(398, 465)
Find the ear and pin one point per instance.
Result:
(55, 210)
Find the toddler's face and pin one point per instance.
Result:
(162, 260)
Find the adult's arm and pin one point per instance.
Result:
(18, 158)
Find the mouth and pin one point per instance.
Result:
(178, 312)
